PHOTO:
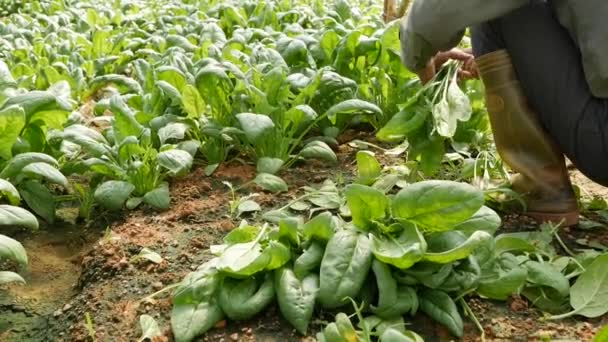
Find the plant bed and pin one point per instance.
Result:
(111, 285)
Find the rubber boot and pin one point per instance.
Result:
(525, 146)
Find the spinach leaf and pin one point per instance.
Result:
(296, 298)
(309, 261)
(393, 301)
(320, 228)
(437, 205)
(589, 294)
(243, 259)
(243, 299)
(18, 217)
(344, 268)
(440, 307)
(402, 251)
(368, 168)
(502, 278)
(366, 205)
(195, 307)
(485, 219)
(447, 247)
(113, 194)
(12, 250)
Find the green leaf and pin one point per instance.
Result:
(12, 121)
(270, 182)
(15, 165)
(195, 308)
(353, 106)
(172, 131)
(439, 306)
(149, 255)
(36, 101)
(11, 249)
(288, 230)
(296, 298)
(6, 78)
(125, 124)
(508, 243)
(437, 205)
(50, 118)
(189, 320)
(243, 259)
(277, 254)
(242, 234)
(546, 275)
(505, 279)
(193, 103)
(112, 195)
(451, 109)
(10, 277)
(46, 171)
(589, 294)
(247, 206)
(309, 261)
(366, 205)
(90, 140)
(178, 162)
(17, 217)
(484, 219)
(243, 299)
(39, 199)
(126, 84)
(346, 263)
(318, 150)
(392, 301)
(456, 248)
(403, 124)
(255, 126)
(8, 191)
(169, 92)
(368, 168)
(430, 152)
(149, 328)
(402, 252)
(320, 228)
(159, 198)
(393, 335)
(269, 165)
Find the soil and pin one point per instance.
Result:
(76, 272)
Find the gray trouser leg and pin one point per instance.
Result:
(549, 67)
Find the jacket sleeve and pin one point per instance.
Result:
(438, 25)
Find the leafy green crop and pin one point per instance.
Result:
(327, 262)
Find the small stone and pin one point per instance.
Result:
(234, 337)
(221, 324)
(158, 285)
(67, 307)
(57, 313)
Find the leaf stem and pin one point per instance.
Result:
(561, 242)
(161, 291)
(469, 312)
(562, 316)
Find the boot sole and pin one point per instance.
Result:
(565, 219)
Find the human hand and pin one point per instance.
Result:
(468, 69)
